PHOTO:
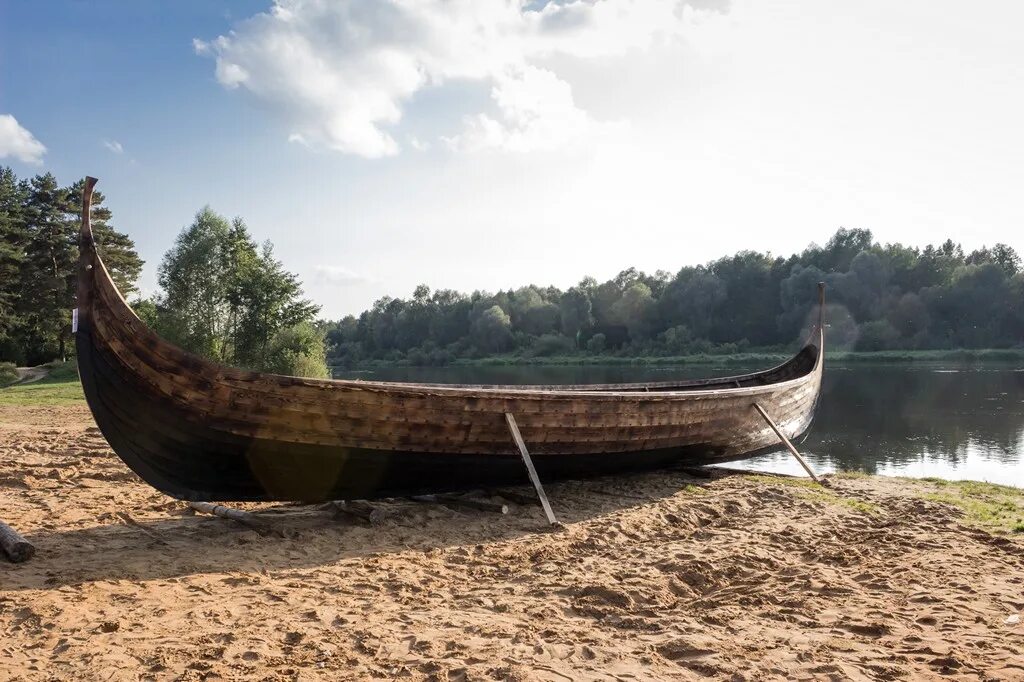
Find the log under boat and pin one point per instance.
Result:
(200, 431)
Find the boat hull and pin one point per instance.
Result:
(199, 431)
(193, 461)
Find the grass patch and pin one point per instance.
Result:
(789, 481)
(60, 387)
(65, 393)
(60, 372)
(807, 489)
(998, 508)
(8, 373)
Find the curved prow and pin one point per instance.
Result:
(86, 253)
(821, 307)
(86, 233)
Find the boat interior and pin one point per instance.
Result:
(799, 365)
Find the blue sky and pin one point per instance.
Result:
(481, 144)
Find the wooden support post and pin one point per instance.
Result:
(518, 438)
(782, 437)
(242, 517)
(16, 548)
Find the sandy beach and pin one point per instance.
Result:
(664, 575)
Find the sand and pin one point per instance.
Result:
(655, 576)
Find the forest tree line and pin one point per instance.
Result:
(227, 298)
(222, 295)
(882, 297)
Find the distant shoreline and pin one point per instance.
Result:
(951, 355)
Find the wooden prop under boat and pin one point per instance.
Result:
(199, 431)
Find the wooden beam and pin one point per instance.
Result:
(16, 548)
(534, 478)
(243, 517)
(782, 437)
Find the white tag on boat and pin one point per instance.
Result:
(74, 320)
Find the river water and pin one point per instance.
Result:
(918, 419)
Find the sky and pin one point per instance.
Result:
(483, 144)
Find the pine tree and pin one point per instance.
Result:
(39, 231)
(12, 253)
(115, 248)
(47, 272)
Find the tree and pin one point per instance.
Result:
(231, 301)
(863, 287)
(531, 313)
(297, 350)
(450, 322)
(752, 281)
(13, 195)
(48, 271)
(973, 309)
(633, 308)
(270, 303)
(39, 233)
(493, 329)
(194, 276)
(1002, 255)
(574, 313)
(840, 250)
(115, 248)
(797, 295)
(691, 299)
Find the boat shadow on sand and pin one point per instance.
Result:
(137, 545)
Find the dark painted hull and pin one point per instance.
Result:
(164, 446)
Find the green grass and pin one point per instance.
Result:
(8, 373)
(814, 492)
(60, 387)
(60, 372)
(990, 506)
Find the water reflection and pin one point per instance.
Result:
(910, 420)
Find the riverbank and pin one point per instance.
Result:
(767, 358)
(54, 383)
(656, 576)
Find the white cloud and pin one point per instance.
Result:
(114, 146)
(537, 112)
(19, 143)
(336, 275)
(418, 144)
(342, 73)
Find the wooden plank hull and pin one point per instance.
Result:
(199, 431)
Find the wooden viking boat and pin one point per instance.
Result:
(199, 431)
